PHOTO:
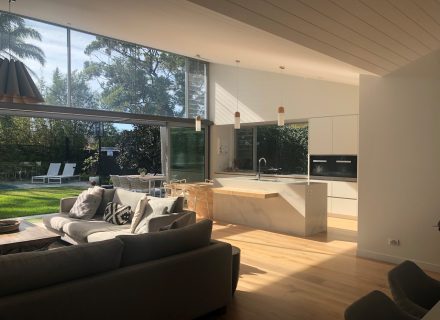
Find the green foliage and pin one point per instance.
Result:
(136, 79)
(14, 39)
(140, 148)
(90, 164)
(284, 147)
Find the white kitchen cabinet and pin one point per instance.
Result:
(345, 134)
(346, 207)
(343, 189)
(320, 136)
(334, 135)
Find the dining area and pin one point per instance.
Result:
(198, 196)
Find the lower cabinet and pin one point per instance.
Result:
(342, 198)
(341, 206)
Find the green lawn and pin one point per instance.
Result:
(28, 202)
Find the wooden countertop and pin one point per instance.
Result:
(242, 192)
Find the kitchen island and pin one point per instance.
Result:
(290, 206)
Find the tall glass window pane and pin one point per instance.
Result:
(244, 150)
(197, 75)
(187, 158)
(120, 76)
(285, 148)
(42, 48)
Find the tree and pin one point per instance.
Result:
(140, 148)
(136, 79)
(14, 39)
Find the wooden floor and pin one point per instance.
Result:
(286, 277)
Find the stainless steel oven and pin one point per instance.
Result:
(333, 166)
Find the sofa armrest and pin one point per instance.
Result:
(155, 223)
(67, 203)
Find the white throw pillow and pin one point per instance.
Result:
(139, 213)
(85, 205)
(155, 207)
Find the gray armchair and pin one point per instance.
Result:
(376, 306)
(412, 289)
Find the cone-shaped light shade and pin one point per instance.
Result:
(281, 116)
(237, 120)
(198, 123)
(16, 84)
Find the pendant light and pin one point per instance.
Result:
(237, 113)
(16, 84)
(281, 114)
(198, 123)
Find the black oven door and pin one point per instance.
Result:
(335, 166)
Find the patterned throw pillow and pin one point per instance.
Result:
(117, 213)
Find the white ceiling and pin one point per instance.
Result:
(183, 27)
(376, 35)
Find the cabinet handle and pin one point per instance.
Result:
(343, 161)
(320, 161)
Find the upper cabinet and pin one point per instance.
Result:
(320, 136)
(334, 135)
(345, 135)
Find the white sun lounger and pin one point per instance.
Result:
(54, 169)
(68, 173)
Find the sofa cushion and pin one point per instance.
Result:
(178, 206)
(57, 221)
(79, 230)
(86, 205)
(31, 270)
(116, 213)
(139, 212)
(105, 235)
(128, 198)
(107, 196)
(151, 246)
(155, 207)
(183, 221)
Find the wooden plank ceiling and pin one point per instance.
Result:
(379, 36)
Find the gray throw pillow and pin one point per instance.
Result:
(156, 245)
(155, 207)
(85, 205)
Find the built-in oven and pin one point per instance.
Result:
(333, 166)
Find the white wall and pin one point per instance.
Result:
(260, 94)
(399, 167)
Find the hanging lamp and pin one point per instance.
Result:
(198, 123)
(16, 84)
(281, 115)
(237, 113)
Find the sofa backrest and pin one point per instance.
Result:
(151, 246)
(127, 198)
(31, 270)
(107, 196)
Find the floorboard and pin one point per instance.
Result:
(287, 277)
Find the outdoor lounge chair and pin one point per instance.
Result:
(54, 169)
(68, 173)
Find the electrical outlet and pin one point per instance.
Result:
(394, 242)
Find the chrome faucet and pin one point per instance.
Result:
(259, 167)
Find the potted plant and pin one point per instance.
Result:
(90, 168)
(142, 171)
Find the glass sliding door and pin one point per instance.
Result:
(187, 154)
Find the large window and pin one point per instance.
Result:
(29, 145)
(105, 74)
(187, 154)
(284, 148)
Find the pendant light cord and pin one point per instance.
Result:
(238, 79)
(282, 85)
